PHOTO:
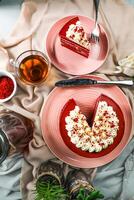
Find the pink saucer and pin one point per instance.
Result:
(85, 97)
(69, 61)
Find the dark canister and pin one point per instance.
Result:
(16, 131)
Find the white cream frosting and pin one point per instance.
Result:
(77, 34)
(102, 133)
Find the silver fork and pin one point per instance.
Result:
(95, 32)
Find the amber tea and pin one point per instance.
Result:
(33, 69)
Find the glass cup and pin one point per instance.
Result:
(32, 67)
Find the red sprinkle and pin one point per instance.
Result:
(76, 119)
(6, 87)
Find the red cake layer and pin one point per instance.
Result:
(70, 105)
(74, 47)
(70, 44)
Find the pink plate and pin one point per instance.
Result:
(69, 61)
(85, 97)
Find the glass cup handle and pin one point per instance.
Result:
(13, 65)
(12, 62)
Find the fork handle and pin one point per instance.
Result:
(96, 4)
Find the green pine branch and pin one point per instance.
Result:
(82, 195)
(49, 191)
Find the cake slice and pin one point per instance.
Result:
(105, 121)
(104, 129)
(73, 37)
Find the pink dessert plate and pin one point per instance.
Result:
(70, 62)
(85, 97)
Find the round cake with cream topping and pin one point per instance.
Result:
(98, 137)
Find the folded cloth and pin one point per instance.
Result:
(10, 173)
(116, 179)
(30, 32)
(126, 65)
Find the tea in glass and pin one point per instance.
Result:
(32, 67)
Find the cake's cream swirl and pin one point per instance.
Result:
(102, 133)
(77, 34)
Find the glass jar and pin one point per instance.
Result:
(16, 131)
(75, 180)
(50, 171)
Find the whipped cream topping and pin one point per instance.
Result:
(77, 34)
(102, 133)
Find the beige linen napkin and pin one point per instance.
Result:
(30, 32)
(126, 65)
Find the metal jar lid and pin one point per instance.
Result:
(4, 146)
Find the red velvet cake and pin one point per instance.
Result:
(103, 131)
(73, 37)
